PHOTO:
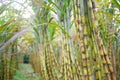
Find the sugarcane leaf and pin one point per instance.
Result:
(49, 7)
(53, 23)
(117, 3)
(51, 30)
(55, 5)
(36, 33)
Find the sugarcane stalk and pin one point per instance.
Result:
(104, 56)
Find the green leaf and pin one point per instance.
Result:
(37, 34)
(51, 30)
(53, 23)
(117, 3)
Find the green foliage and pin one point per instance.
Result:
(117, 3)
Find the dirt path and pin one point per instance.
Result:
(25, 72)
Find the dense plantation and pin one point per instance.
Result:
(59, 39)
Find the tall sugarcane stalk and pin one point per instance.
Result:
(83, 39)
(104, 55)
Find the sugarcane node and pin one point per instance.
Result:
(78, 21)
(109, 64)
(85, 35)
(81, 47)
(85, 66)
(83, 25)
(105, 64)
(78, 5)
(94, 59)
(107, 73)
(95, 19)
(86, 46)
(97, 70)
(83, 52)
(61, 19)
(85, 59)
(85, 76)
(81, 38)
(104, 55)
(78, 30)
(101, 48)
